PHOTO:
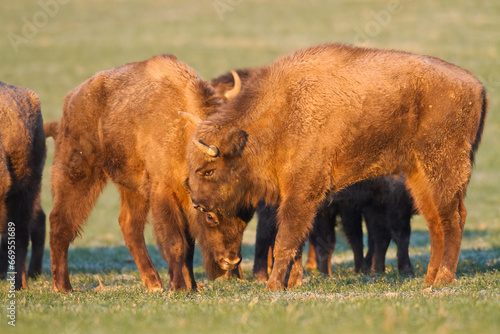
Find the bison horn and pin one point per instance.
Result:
(190, 117)
(231, 94)
(211, 151)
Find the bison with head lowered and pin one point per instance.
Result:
(325, 117)
(122, 125)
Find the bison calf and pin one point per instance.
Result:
(386, 207)
(22, 157)
(323, 118)
(123, 125)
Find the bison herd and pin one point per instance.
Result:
(328, 133)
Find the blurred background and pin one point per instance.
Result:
(51, 46)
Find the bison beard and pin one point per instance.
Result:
(328, 116)
(22, 157)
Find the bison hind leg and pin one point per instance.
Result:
(445, 216)
(73, 201)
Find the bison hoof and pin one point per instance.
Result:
(261, 277)
(408, 271)
(156, 289)
(294, 282)
(274, 285)
(444, 277)
(62, 289)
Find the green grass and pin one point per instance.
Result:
(84, 37)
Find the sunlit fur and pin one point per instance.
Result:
(326, 117)
(123, 125)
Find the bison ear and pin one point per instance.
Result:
(236, 140)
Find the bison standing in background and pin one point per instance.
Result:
(325, 117)
(22, 157)
(123, 125)
(386, 207)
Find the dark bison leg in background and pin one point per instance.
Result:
(367, 262)
(20, 207)
(352, 221)
(266, 234)
(323, 238)
(37, 234)
(133, 216)
(169, 224)
(73, 201)
(400, 228)
(187, 268)
(3, 255)
(376, 222)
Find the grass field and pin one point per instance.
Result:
(53, 48)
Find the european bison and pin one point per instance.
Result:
(123, 125)
(328, 116)
(386, 207)
(22, 157)
(384, 202)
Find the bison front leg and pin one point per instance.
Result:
(352, 223)
(295, 270)
(133, 216)
(295, 219)
(170, 225)
(376, 222)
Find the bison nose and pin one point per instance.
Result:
(227, 263)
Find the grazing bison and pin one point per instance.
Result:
(123, 125)
(22, 157)
(323, 118)
(384, 202)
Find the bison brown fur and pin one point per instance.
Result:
(22, 157)
(123, 125)
(323, 118)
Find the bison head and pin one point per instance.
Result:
(220, 240)
(217, 178)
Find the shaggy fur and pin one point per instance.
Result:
(383, 201)
(326, 117)
(22, 156)
(123, 125)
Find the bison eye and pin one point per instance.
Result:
(208, 173)
(211, 221)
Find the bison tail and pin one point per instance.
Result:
(479, 132)
(51, 129)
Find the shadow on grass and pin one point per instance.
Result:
(118, 259)
(108, 260)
